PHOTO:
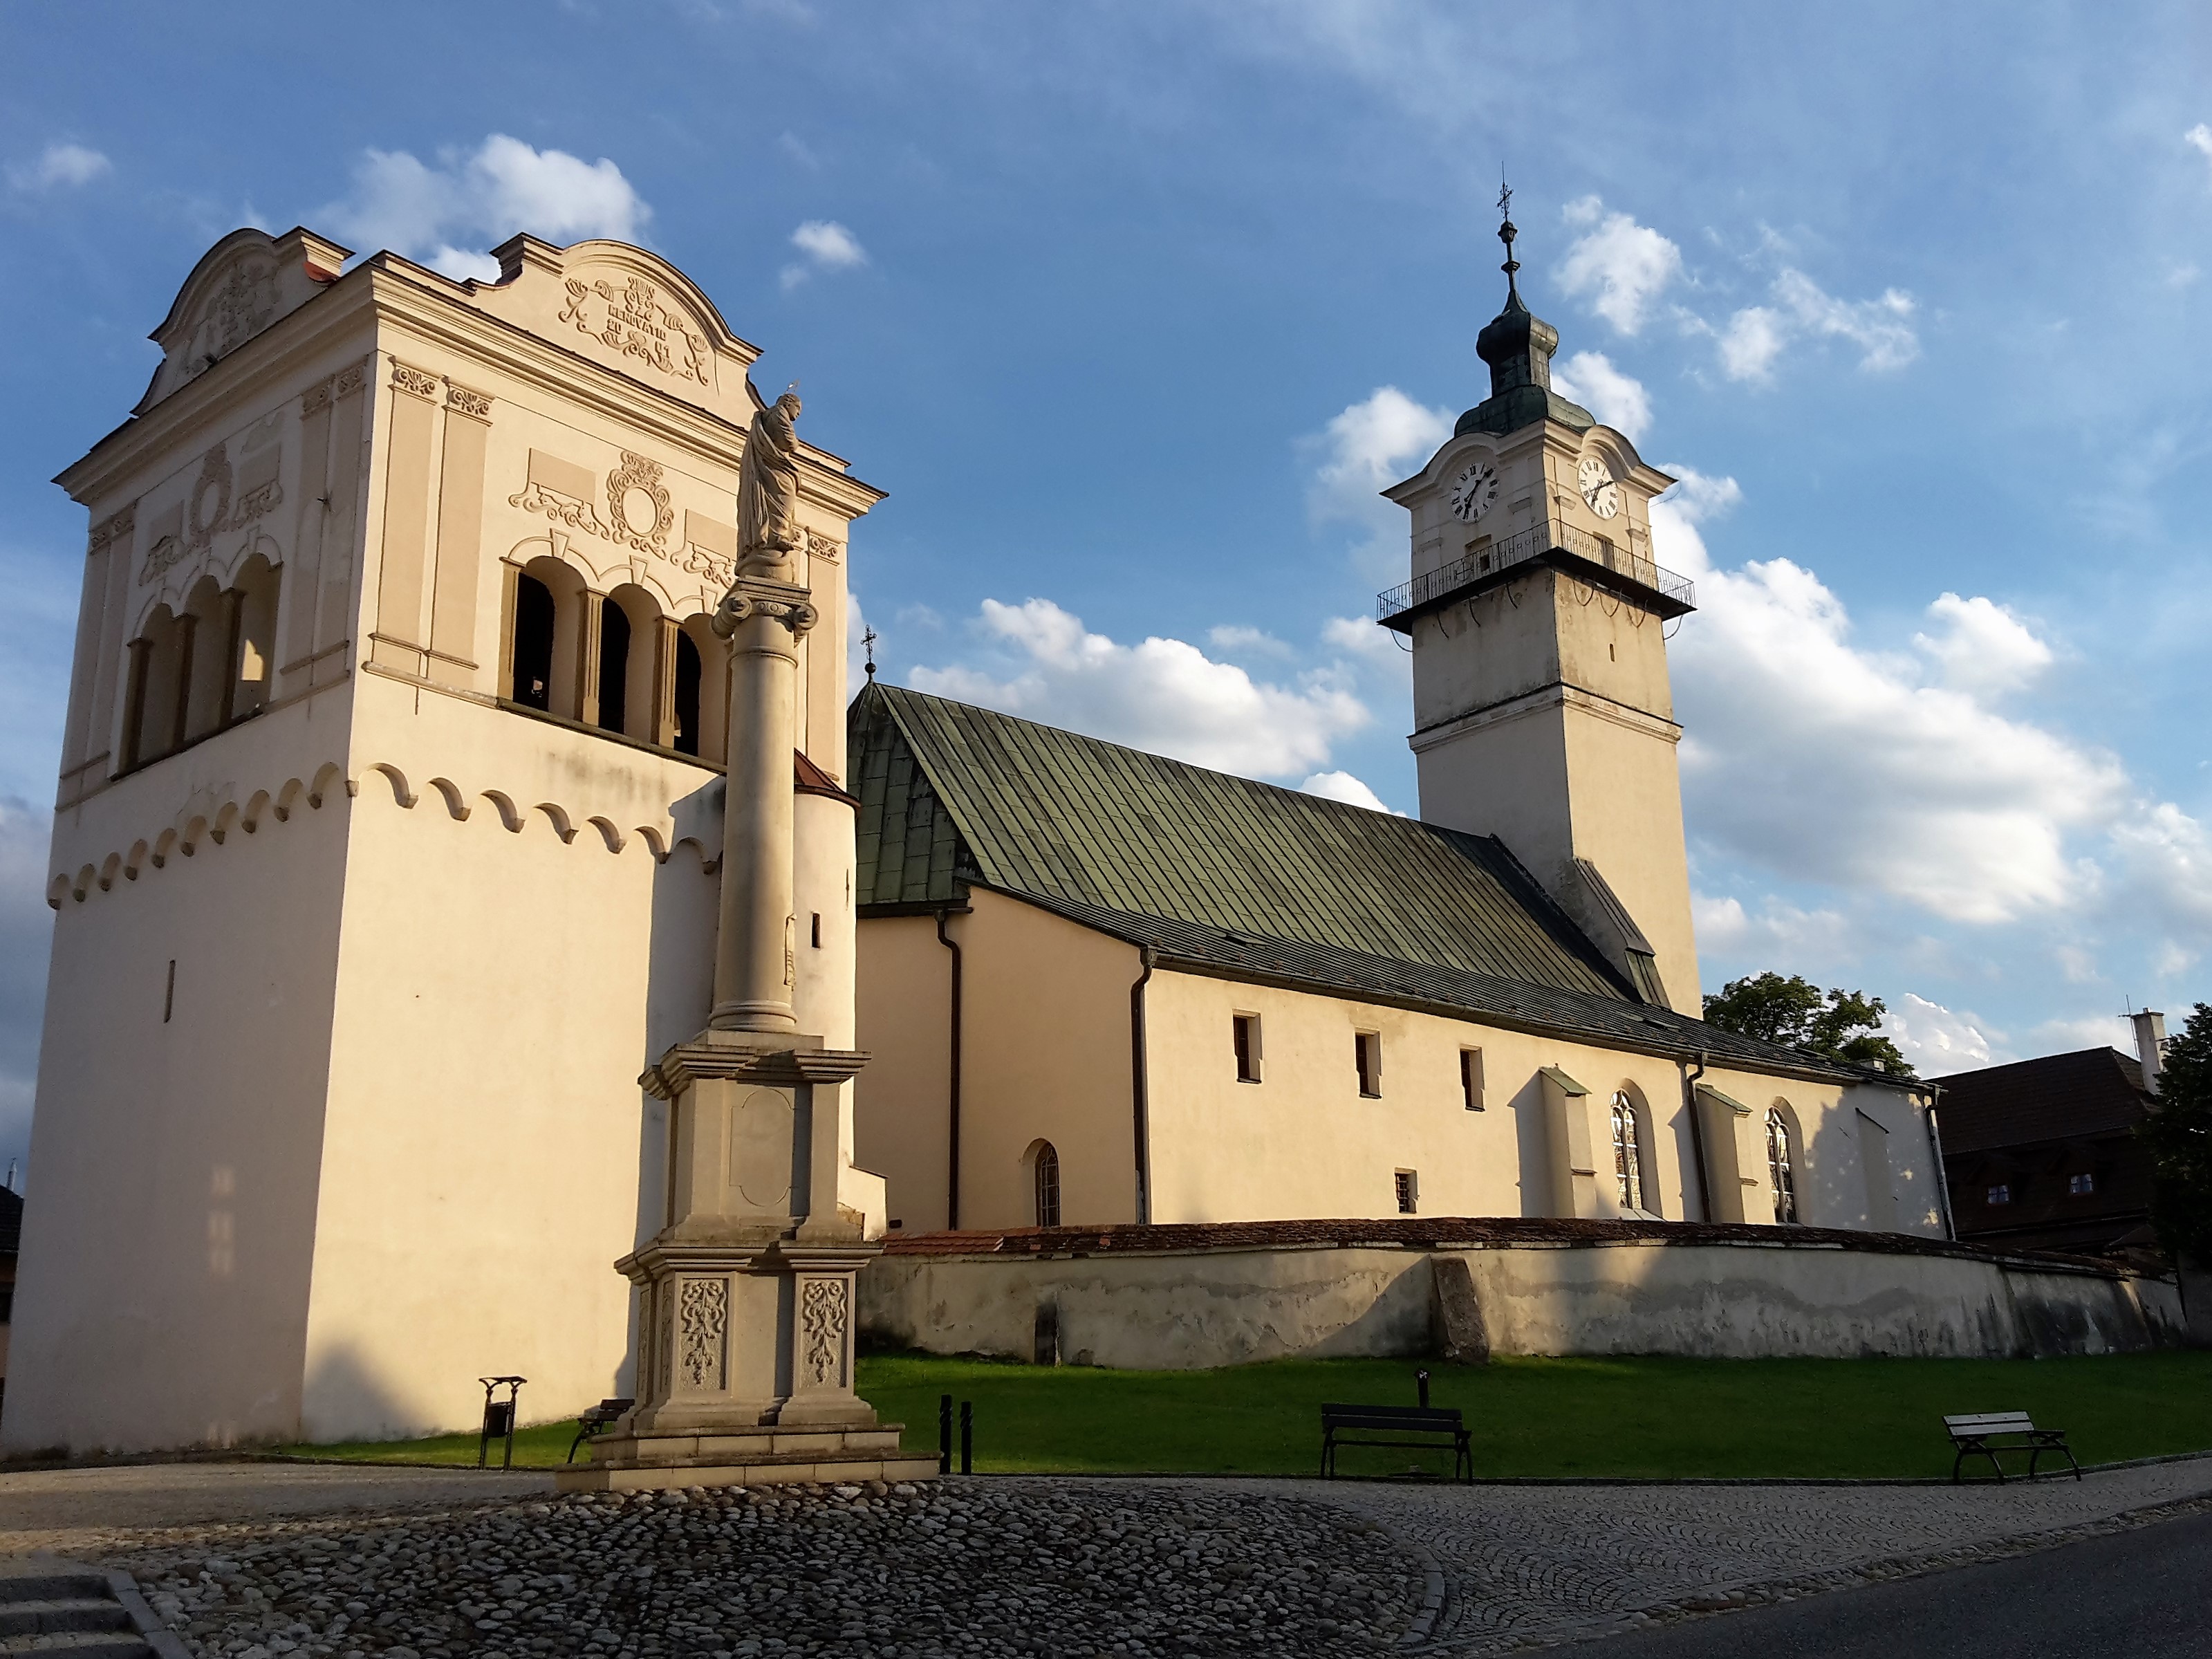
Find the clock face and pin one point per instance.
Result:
(1474, 491)
(1598, 487)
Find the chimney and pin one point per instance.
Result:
(2150, 1046)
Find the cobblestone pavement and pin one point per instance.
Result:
(1521, 1566)
(1004, 1566)
(963, 1567)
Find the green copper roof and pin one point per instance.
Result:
(952, 793)
(1219, 874)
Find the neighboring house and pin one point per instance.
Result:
(2042, 1154)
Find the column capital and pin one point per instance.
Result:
(754, 596)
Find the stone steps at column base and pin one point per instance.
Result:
(750, 1457)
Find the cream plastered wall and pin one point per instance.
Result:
(517, 912)
(1304, 1143)
(902, 1102)
(1045, 1056)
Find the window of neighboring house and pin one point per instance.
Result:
(1470, 1078)
(2081, 1185)
(1244, 1033)
(1780, 1171)
(1368, 1054)
(2001, 1194)
(1627, 1152)
(1409, 1192)
(1047, 1185)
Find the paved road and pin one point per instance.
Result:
(70, 1511)
(2141, 1595)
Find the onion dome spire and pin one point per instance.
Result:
(1518, 346)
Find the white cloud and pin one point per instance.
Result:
(1756, 336)
(1822, 760)
(1620, 400)
(1162, 695)
(67, 165)
(1620, 266)
(1342, 786)
(2056, 1037)
(2166, 856)
(1983, 648)
(502, 187)
(2199, 138)
(1366, 446)
(828, 246)
(1361, 637)
(1937, 1041)
(1236, 636)
(1780, 936)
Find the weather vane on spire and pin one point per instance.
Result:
(1505, 235)
(868, 644)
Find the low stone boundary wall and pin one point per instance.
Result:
(1176, 1298)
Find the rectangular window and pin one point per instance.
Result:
(1470, 1077)
(817, 930)
(2081, 1185)
(1409, 1192)
(2001, 1195)
(1368, 1052)
(1244, 1032)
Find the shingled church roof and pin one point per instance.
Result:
(1223, 875)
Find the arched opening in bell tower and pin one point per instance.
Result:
(614, 665)
(532, 681)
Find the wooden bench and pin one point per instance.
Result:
(1395, 1425)
(596, 1420)
(1984, 1434)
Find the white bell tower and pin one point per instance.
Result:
(1542, 714)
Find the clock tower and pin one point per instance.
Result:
(1539, 622)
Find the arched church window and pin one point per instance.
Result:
(532, 684)
(614, 665)
(1047, 1166)
(1627, 1152)
(212, 614)
(687, 694)
(1781, 1166)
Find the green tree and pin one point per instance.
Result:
(2179, 1137)
(1839, 1025)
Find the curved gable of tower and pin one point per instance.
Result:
(628, 310)
(241, 286)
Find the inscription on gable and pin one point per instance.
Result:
(632, 319)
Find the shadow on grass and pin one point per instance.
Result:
(1627, 1418)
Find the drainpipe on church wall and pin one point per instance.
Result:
(944, 914)
(1139, 1095)
(1698, 1136)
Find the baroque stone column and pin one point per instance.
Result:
(746, 1296)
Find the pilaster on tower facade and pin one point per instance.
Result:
(1538, 620)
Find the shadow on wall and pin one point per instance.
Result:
(343, 1388)
(1532, 1147)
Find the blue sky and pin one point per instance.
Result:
(1131, 308)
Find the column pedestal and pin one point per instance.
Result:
(747, 1297)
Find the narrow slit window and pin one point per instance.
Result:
(1470, 1078)
(817, 930)
(1781, 1167)
(169, 995)
(1367, 1051)
(1409, 1192)
(1048, 1185)
(1245, 1033)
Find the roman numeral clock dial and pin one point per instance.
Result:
(1598, 487)
(1474, 491)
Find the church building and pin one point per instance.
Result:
(389, 1006)
(1103, 986)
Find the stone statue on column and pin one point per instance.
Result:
(747, 1293)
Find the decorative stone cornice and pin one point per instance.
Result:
(753, 596)
(731, 1055)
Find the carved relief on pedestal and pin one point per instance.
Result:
(702, 1332)
(631, 319)
(821, 1319)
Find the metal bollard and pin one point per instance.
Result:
(944, 1434)
(1421, 1382)
(499, 1417)
(967, 1437)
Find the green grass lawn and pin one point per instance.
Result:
(1627, 1417)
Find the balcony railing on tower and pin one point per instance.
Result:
(1602, 563)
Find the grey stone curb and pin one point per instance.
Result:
(151, 1630)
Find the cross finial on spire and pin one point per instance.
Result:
(1506, 233)
(868, 644)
